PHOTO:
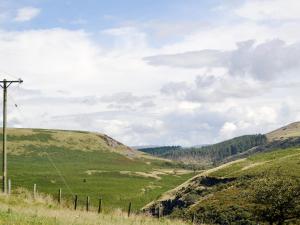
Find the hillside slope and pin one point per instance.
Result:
(289, 131)
(19, 139)
(88, 164)
(219, 195)
(210, 154)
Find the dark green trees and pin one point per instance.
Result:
(277, 199)
(218, 152)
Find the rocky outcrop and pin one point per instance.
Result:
(198, 188)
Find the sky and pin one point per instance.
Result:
(166, 72)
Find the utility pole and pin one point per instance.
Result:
(5, 84)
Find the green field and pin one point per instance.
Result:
(88, 164)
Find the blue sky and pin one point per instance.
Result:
(94, 16)
(103, 14)
(153, 72)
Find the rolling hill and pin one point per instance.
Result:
(88, 164)
(287, 132)
(220, 195)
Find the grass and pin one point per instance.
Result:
(84, 164)
(289, 131)
(23, 210)
(229, 203)
(285, 160)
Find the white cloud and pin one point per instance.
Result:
(270, 10)
(209, 88)
(264, 61)
(212, 88)
(26, 14)
(227, 130)
(116, 92)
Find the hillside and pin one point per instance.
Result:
(289, 131)
(160, 151)
(88, 164)
(209, 154)
(220, 195)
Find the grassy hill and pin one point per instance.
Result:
(289, 131)
(88, 164)
(220, 195)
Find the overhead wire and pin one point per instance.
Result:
(57, 170)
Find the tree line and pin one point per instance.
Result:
(213, 153)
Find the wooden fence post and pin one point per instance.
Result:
(100, 205)
(9, 187)
(194, 219)
(75, 202)
(129, 209)
(34, 191)
(87, 203)
(59, 195)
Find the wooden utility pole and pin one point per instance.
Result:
(5, 84)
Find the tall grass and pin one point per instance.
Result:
(20, 208)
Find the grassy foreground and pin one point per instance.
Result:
(21, 209)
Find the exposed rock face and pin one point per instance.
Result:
(111, 142)
(187, 196)
(129, 152)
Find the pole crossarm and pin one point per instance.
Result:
(5, 84)
(9, 82)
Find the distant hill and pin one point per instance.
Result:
(235, 148)
(217, 152)
(160, 151)
(208, 154)
(287, 132)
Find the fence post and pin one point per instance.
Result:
(193, 218)
(34, 191)
(87, 203)
(129, 209)
(9, 187)
(100, 205)
(75, 202)
(158, 212)
(59, 196)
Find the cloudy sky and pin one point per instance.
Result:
(153, 72)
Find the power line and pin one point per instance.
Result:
(52, 163)
(59, 173)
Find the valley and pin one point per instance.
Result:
(95, 165)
